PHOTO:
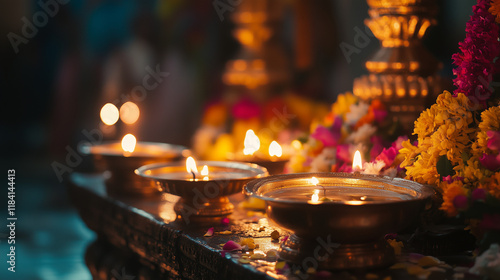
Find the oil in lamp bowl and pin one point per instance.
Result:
(110, 157)
(357, 212)
(202, 198)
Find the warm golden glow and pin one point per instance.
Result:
(296, 145)
(129, 112)
(315, 196)
(109, 114)
(251, 143)
(191, 165)
(204, 172)
(275, 149)
(357, 163)
(314, 181)
(128, 143)
(354, 202)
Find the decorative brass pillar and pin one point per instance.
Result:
(261, 61)
(402, 73)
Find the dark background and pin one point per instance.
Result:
(55, 85)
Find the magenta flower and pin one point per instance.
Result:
(491, 162)
(326, 136)
(379, 115)
(478, 195)
(388, 156)
(490, 222)
(460, 202)
(377, 147)
(343, 154)
(448, 179)
(475, 67)
(246, 109)
(493, 140)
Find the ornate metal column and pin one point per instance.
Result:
(402, 73)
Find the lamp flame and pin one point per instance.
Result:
(315, 196)
(275, 149)
(251, 143)
(109, 114)
(357, 163)
(204, 172)
(128, 143)
(129, 112)
(191, 165)
(314, 181)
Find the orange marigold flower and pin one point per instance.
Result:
(452, 190)
(495, 9)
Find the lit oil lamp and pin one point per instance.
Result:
(122, 158)
(274, 161)
(351, 210)
(203, 195)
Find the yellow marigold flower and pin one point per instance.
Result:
(343, 104)
(490, 119)
(495, 9)
(492, 185)
(450, 191)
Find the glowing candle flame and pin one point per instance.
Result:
(251, 143)
(275, 149)
(315, 196)
(109, 114)
(191, 165)
(129, 112)
(357, 163)
(128, 143)
(314, 181)
(204, 172)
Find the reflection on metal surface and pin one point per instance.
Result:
(382, 205)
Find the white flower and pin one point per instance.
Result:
(362, 135)
(324, 161)
(488, 263)
(356, 111)
(373, 167)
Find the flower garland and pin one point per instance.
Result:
(458, 145)
(351, 125)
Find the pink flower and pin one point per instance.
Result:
(225, 221)
(379, 115)
(388, 156)
(343, 154)
(377, 147)
(490, 222)
(491, 162)
(478, 195)
(246, 109)
(398, 144)
(493, 140)
(326, 136)
(448, 179)
(461, 202)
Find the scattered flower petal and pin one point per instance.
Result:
(225, 221)
(231, 246)
(209, 232)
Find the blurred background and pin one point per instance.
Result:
(61, 61)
